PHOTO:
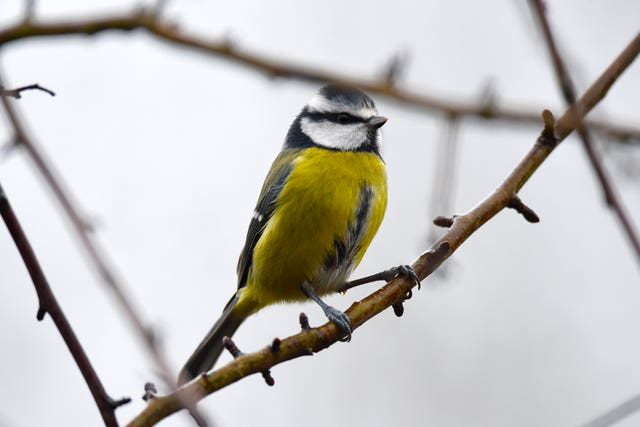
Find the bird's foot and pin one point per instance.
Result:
(402, 270)
(341, 320)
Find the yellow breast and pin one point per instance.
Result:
(318, 205)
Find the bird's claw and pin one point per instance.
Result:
(341, 320)
(408, 272)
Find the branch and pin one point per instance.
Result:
(48, 304)
(568, 92)
(149, 20)
(313, 340)
(444, 167)
(17, 92)
(96, 253)
(616, 414)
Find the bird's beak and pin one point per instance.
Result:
(376, 122)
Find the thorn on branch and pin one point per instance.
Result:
(41, 313)
(115, 404)
(444, 221)
(487, 99)
(17, 92)
(266, 375)
(150, 391)
(548, 120)
(235, 352)
(304, 322)
(395, 69)
(275, 345)
(522, 209)
(231, 347)
(304, 325)
(268, 378)
(548, 136)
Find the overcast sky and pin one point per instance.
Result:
(166, 149)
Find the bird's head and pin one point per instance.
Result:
(338, 118)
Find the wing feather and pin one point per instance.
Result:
(267, 201)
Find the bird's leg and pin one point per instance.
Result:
(333, 314)
(386, 275)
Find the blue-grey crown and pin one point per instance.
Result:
(346, 95)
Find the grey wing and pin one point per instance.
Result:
(261, 215)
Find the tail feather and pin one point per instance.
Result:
(207, 353)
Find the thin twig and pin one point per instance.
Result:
(97, 255)
(17, 92)
(518, 205)
(616, 414)
(29, 9)
(49, 304)
(317, 339)
(150, 20)
(443, 189)
(568, 92)
(79, 223)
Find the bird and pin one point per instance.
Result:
(320, 206)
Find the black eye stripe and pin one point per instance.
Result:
(341, 118)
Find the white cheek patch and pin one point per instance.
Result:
(333, 135)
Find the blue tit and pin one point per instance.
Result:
(320, 206)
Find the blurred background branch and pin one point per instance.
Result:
(48, 304)
(97, 255)
(612, 416)
(568, 91)
(150, 20)
(84, 231)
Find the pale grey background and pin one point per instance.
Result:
(537, 325)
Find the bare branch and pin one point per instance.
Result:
(97, 255)
(17, 93)
(149, 20)
(443, 221)
(443, 188)
(516, 204)
(568, 92)
(616, 414)
(49, 304)
(29, 9)
(317, 339)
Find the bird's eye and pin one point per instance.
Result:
(343, 118)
